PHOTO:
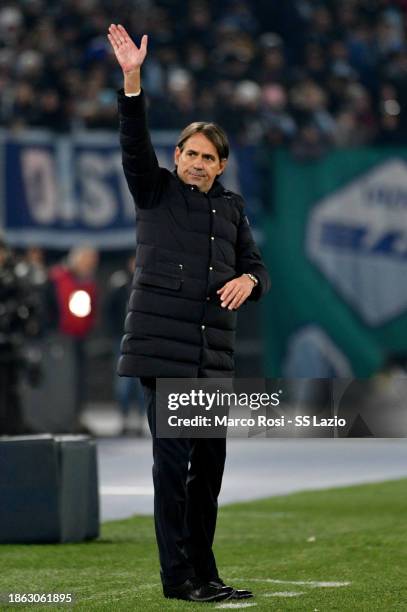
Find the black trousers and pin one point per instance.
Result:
(187, 476)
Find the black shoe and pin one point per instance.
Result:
(192, 590)
(236, 594)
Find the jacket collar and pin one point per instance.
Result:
(216, 189)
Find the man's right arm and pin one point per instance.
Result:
(140, 163)
(139, 160)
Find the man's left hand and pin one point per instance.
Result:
(235, 292)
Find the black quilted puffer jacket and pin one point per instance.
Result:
(189, 244)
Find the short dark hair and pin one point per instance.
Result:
(212, 131)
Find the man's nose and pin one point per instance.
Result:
(198, 162)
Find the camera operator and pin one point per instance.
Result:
(19, 321)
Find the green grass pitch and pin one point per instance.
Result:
(341, 549)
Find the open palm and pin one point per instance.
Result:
(129, 56)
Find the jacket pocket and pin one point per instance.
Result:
(160, 280)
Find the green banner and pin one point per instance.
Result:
(337, 252)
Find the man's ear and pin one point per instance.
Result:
(177, 153)
(223, 163)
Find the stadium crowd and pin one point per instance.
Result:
(309, 74)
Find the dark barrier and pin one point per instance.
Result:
(48, 489)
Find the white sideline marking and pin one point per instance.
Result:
(310, 583)
(119, 594)
(126, 490)
(236, 606)
(284, 594)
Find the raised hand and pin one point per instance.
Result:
(129, 56)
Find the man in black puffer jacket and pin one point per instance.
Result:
(197, 264)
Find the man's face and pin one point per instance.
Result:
(198, 163)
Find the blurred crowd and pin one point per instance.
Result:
(62, 301)
(310, 74)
